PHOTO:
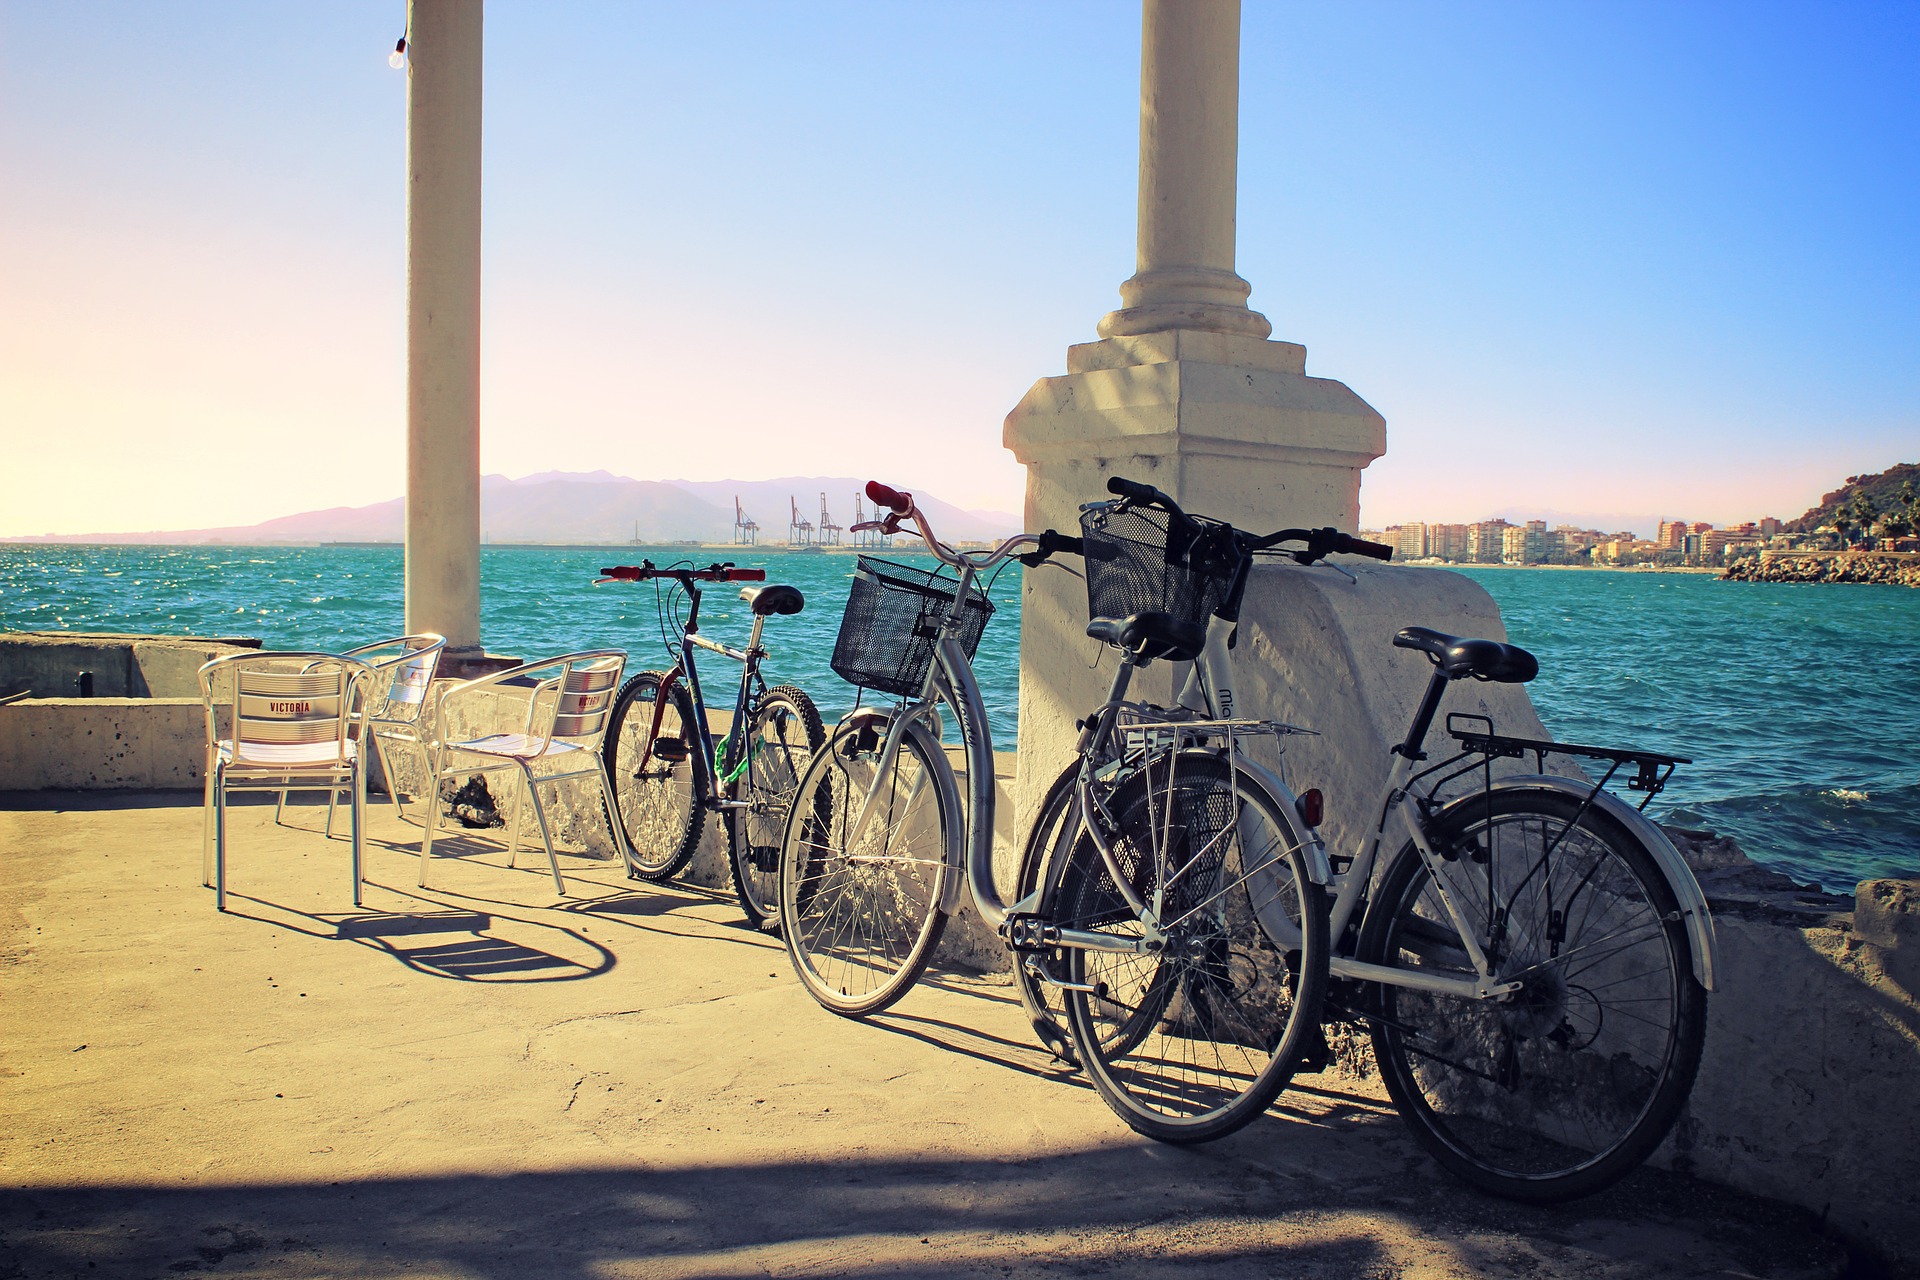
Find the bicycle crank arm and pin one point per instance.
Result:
(1039, 970)
(1414, 979)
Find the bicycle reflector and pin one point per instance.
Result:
(1313, 807)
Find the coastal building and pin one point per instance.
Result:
(1673, 533)
(1409, 541)
(1484, 541)
(1447, 541)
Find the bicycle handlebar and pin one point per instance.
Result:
(646, 570)
(1321, 543)
(892, 499)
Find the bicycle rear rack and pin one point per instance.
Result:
(1480, 747)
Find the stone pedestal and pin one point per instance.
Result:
(1228, 425)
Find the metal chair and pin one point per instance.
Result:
(279, 721)
(566, 721)
(391, 706)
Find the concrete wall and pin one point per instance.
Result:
(46, 663)
(102, 744)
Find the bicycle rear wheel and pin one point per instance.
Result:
(779, 741)
(1569, 1084)
(862, 917)
(662, 808)
(1193, 1041)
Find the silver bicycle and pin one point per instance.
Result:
(1531, 963)
(1187, 926)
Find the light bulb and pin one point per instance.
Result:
(398, 58)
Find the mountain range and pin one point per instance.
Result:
(592, 507)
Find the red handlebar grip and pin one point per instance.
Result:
(892, 499)
(746, 575)
(622, 572)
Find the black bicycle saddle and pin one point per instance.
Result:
(1481, 659)
(775, 597)
(1151, 635)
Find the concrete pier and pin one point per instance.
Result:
(479, 1081)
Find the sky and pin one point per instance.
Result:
(1596, 260)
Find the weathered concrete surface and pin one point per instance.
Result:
(473, 1082)
(102, 743)
(123, 666)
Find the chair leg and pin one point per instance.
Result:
(614, 828)
(333, 799)
(219, 840)
(546, 836)
(359, 807)
(206, 829)
(433, 815)
(386, 771)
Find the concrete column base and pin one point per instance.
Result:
(1229, 425)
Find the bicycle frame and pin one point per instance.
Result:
(685, 667)
(1208, 689)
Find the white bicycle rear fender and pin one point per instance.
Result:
(1680, 877)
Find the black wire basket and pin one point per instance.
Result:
(1143, 560)
(892, 620)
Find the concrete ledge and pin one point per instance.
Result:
(102, 744)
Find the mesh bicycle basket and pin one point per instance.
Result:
(892, 620)
(1142, 560)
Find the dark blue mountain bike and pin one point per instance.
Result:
(667, 769)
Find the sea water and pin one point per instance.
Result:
(1799, 704)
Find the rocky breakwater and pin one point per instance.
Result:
(1898, 568)
(1807, 1089)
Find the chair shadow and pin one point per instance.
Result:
(454, 944)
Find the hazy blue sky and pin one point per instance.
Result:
(1605, 259)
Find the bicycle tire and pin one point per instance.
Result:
(1194, 1042)
(781, 739)
(861, 925)
(663, 812)
(1568, 1086)
(1046, 1010)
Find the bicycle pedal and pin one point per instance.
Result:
(1024, 933)
(671, 750)
(1316, 1056)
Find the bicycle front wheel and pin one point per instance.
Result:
(780, 741)
(1567, 1085)
(662, 807)
(864, 866)
(1192, 1039)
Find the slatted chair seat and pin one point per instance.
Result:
(276, 721)
(566, 723)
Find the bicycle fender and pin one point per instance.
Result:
(1308, 840)
(1680, 878)
(955, 874)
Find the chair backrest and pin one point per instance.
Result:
(280, 700)
(586, 698)
(398, 691)
(576, 702)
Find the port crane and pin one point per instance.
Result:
(829, 531)
(799, 532)
(746, 532)
(865, 538)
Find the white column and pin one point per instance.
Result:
(1184, 392)
(443, 321)
(1189, 173)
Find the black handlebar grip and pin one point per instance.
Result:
(1131, 489)
(1378, 550)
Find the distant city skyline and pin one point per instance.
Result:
(1610, 259)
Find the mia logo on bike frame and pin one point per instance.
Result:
(290, 708)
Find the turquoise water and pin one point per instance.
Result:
(1799, 704)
